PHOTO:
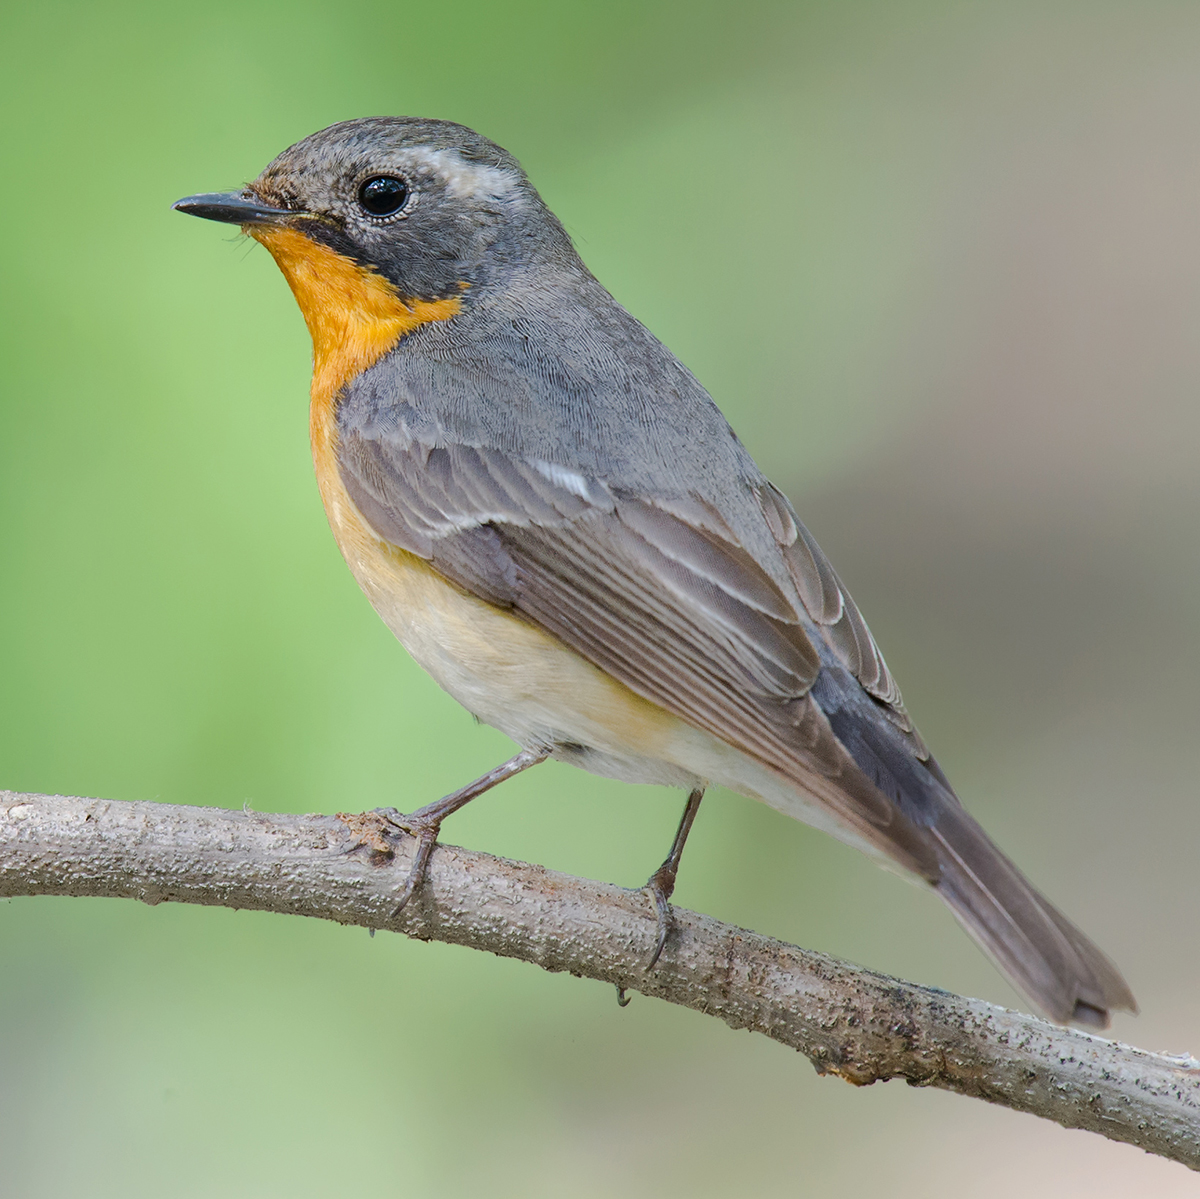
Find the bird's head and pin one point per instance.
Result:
(386, 223)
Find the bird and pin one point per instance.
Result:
(554, 518)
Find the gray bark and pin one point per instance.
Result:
(862, 1026)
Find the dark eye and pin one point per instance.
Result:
(382, 195)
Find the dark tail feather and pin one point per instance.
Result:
(1033, 943)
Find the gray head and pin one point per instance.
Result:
(430, 205)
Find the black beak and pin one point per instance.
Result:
(234, 208)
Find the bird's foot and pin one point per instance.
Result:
(661, 884)
(424, 826)
(426, 822)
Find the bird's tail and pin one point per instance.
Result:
(1032, 942)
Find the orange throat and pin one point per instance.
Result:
(354, 317)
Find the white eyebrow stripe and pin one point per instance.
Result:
(569, 480)
(464, 180)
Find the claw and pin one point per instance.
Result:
(426, 835)
(661, 884)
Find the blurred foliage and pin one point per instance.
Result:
(785, 192)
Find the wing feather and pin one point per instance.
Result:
(830, 606)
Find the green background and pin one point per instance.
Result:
(940, 264)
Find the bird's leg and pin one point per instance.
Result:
(662, 882)
(425, 823)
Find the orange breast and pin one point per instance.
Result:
(354, 316)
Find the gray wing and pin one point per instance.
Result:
(660, 595)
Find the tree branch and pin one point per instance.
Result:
(848, 1021)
